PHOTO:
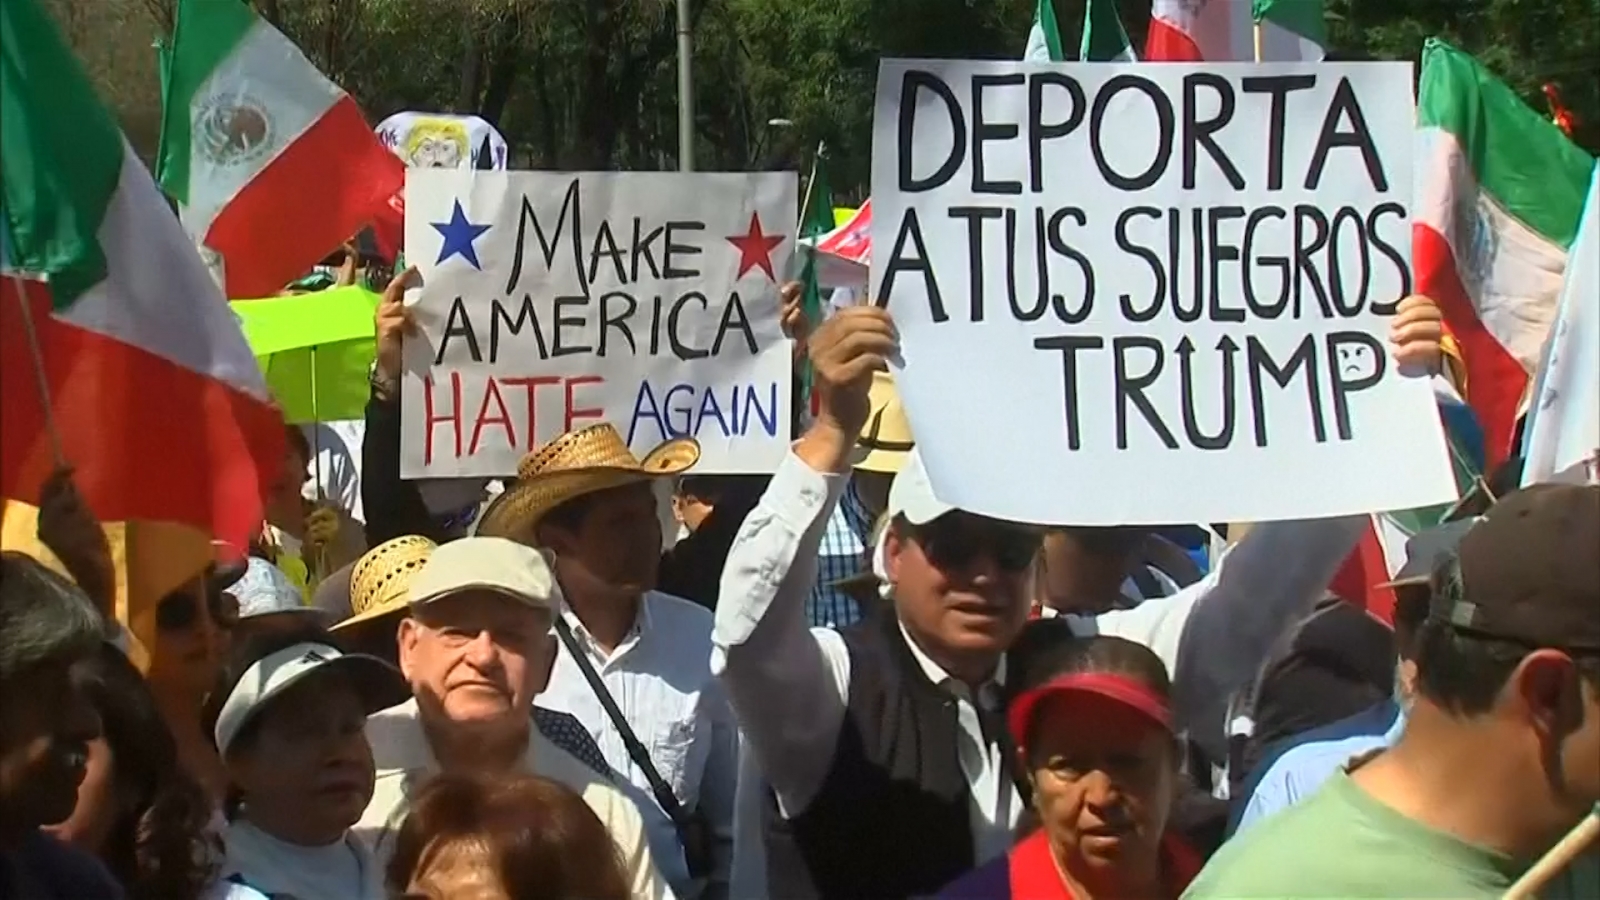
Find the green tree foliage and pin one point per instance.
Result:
(580, 84)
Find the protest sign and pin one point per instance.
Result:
(551, 301)
(443, 141)
(1145, 294)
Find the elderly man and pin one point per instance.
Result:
(48, 628)
(476, 649)
(882, 731)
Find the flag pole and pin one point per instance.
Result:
(1557, 859)
(41, 380)
(1256, 34)
(805, 202)
(318, 565)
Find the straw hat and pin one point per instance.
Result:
(886, 439)
(577, 463)
(379, 580)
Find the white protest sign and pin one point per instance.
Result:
(1153, 293)
(551, 301)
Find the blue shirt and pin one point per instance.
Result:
(1296, 766)
(841, 555)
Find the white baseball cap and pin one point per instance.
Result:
(911, 494)
(492, 564)
(379, 684)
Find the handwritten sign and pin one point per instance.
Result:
(552, 301)
(1144, 294)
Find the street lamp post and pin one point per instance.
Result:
(685, 91)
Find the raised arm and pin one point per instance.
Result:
(1215, 634)
(786, 683)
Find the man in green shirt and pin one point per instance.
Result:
(1501, 753)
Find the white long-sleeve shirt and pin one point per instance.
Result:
(404, 762)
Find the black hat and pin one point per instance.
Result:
(1528, 571)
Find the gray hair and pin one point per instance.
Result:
(43, 616)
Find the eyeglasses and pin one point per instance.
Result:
(955, 540)
(180, 610)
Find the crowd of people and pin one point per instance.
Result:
(829, 683)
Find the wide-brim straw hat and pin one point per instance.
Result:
(576, 463)
(885, 440)
(380, 578)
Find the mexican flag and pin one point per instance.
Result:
(272, 164)
(156, 398)
(1499, 194)
(1104, 39)
(1226, 30)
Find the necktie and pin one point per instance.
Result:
(992, 723)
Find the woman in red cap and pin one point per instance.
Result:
(1093, 729)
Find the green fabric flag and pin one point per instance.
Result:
(1044, 38)
(1104, 39)
(1301, 17)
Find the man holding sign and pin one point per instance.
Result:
(876, 732)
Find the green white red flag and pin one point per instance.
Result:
(1499, 195)
(157, 399)
(1225, 30)
(273, 165)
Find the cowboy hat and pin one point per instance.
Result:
(886, 439)
(576, 463)
(380, 578)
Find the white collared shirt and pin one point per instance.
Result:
(994, 803)
(660, 677)
(404, 762)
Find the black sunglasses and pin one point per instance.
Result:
(180, 610)
(955, 540)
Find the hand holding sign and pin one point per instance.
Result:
(1417, 334)
(792, 316)
(845, 351)
(391, 323)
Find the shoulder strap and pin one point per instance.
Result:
(636, 750)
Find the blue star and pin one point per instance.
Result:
(458, 237)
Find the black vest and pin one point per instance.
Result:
(893, 818)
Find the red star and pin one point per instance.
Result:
(755, 248)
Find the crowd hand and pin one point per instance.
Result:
(1417, 335)
(72, 533)
(391, 324)
(792, 316)
(351, 264)
(322, 526)
(845, 351)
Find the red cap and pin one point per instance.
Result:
(1118, 688)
